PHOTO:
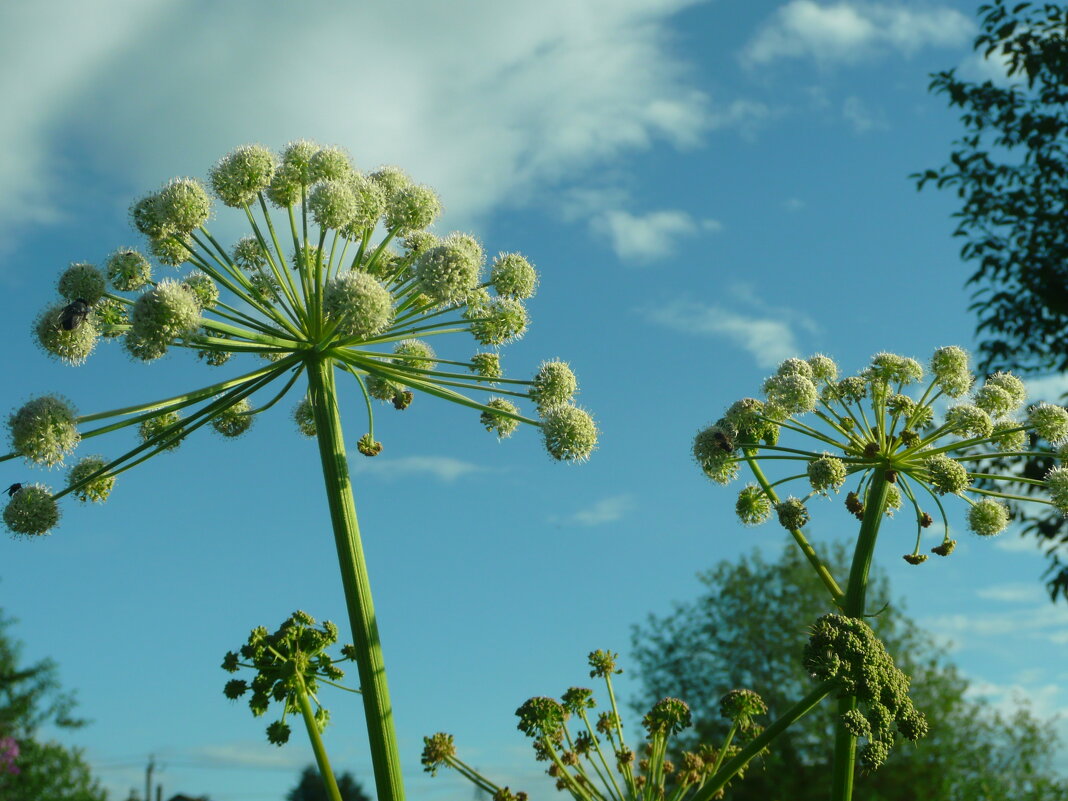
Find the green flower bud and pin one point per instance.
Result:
(712, 455)
(411, 208)
(741, 706)
(513, 276)
(493, 421)
(146, 217)
(553, 384)
(893, 500)
(851, 389)
(487, 365)
(264, 287)
(332, 204)
(946, 475)
(988, 517)
(912, 724)
(541, 717)
(746, 417)
(164, 313)
(390, 180)
(967, 420)
(901, 405)
(874, 754)
(82, 282)
(753, 506)
(157, 427)
(950, 368)
(183, 205)
(107, 315)
(994, 400)
(203, 289)
(143, 347)
(172, 250)
(304, 417)
(795, 367)
(414, 353)
(1057, 485)
(892, 368)
(1049, 422)
(792, 513)
(602, 664)
(73, 346)
(248, 254)
(1012, 385)
(823, 368)
(437, 750)
(498, 322)
(297, 158)
(827, 472)
(31, 511)
(793, 392)
(449, 271)
(128, 270)
(44, 430)
(856, 724)
(97, 489)
(569, 433)
(370, 206)
(381, 388)
(668, 716)
(242, 174)
(330, 164)
(361, 306)
(278, 733)
(234, 420)
(1008, 436)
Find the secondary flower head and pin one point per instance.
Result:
(31, 511)
(322, 287)
(876, 430)
(90, 480)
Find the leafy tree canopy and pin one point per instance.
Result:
(310, 787)
(748, 629)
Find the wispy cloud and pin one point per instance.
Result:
(768, 334)
(480, 99)
(252, 755)
(606, 510)
(443, 468)
(1049, 388)
(1017, 592)
(848, 32)
(860, 116)
(1043, 621)
(649, 237)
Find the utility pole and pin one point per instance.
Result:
(148, 776)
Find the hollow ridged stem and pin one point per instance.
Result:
(375, 692)
(845, 744)
(321, 759)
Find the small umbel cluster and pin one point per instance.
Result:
(591, 760)
(846, 650)
(339, 266)
(290, 664)
(881, 423)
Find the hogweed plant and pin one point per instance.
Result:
(591, 760)
(877, 438)
(343, 280)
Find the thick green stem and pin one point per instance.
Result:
(321, 759)
(377, 708)
(845, 744)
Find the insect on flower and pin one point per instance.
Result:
(74, 314)
(13, 489)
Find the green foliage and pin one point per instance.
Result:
(749, 628)
(30, 697)
(1010, 171)
(310, 788)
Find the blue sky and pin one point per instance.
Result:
(706, 188)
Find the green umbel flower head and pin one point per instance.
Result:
(874, 428)
(323, 287)
(91, 484)
(32, 511)
(44, 430)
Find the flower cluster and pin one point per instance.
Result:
(310, 287)
(9, 754)
(290, 664)
(882, 422)
(596, 753)
(846, 650)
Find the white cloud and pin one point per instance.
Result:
(1018, 592)
(443, 468)
(648, 237)
(1048, 388)
(488, 102)
(860, 116)
(606, 510)
(769, 338)
(848, 32)
(1011, 542)
(252, 755)
(1043, 621)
